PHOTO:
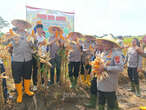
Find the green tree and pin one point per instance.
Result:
(3, 23)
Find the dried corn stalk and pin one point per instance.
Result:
(64, 52)
(1, 95)
(45, 60)
(1, 88)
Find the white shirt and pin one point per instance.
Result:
(41, 39)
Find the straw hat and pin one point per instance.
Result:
(110, 39)
(16, 23)
(39, 22)
(52, 29)
(89, 37)
(79, 35)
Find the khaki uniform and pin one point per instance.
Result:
(113, 69)
(107, 87)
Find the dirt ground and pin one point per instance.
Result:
(60, 97)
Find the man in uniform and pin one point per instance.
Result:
(22, 58)
(113, 65)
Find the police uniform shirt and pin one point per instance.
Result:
(22, 51)
(113, 69)
(133, 59)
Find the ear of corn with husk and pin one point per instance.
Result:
(8, 36)
(96, 65)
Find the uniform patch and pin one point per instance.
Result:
(117, 59)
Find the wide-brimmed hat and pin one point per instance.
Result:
(39, 22)
(79, 35)
(51, 29)
(108, 38)
(90, 37)
(16, 23)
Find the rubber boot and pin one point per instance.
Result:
(19, 92)
(75, 82)
(101, 107)
(88, 80)
(72, 82)
(137, 90)
(27, 88)
(82, 79)
(92, 102)
(132, 87)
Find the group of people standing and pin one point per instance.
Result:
(80, 56)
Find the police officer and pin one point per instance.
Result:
(113, 65)
(22, 58)
(134, 63)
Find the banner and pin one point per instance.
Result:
(65, 20)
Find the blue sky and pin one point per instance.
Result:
(119, 17)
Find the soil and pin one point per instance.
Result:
(61, 97)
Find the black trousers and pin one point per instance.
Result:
(56, 63)
(133, 75)
(74, 69)
(109, 97)
(93, 87)
(21, 70)
(87, 67)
